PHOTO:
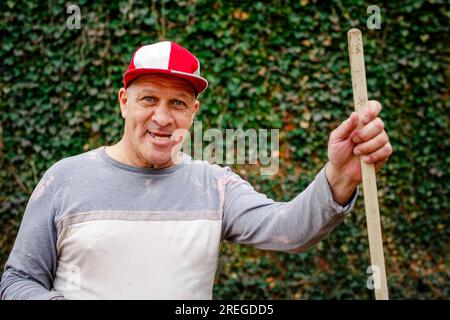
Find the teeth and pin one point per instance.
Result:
(159, 138)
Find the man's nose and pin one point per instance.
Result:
(162, 116)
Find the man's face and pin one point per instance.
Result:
(154, 106)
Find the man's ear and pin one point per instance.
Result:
(196, 107)
(123, 99)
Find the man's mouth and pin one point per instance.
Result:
(160, 136)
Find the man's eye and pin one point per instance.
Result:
(179, 103)
(149, 99)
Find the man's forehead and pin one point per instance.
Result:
(151, 83)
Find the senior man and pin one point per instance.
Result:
(141, 220)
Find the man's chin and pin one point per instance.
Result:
(158, 158)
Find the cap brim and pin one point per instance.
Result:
(200, 84)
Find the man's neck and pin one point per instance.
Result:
(123, 153)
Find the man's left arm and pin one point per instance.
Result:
(252, 218)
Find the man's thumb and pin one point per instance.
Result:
(346, 127)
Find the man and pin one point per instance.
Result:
(140, 220)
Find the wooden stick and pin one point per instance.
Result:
(357, 67)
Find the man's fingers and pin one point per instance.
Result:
(371, 112)
(372, 145)
(381, 154)
(345, 128)
(368, 131)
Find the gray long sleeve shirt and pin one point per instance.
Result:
(95, 228)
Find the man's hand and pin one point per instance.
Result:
(347, 143)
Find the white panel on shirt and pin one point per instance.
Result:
(119, 259)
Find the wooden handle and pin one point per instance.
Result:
(357, 67)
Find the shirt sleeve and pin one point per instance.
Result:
(32, 263)
(250, 217)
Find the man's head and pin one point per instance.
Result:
(154, 106)
(158, 101)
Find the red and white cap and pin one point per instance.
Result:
(169, 58)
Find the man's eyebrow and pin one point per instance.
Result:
(180, 94)
(142, 91)
(183, 95)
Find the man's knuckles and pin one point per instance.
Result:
(369, 130)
